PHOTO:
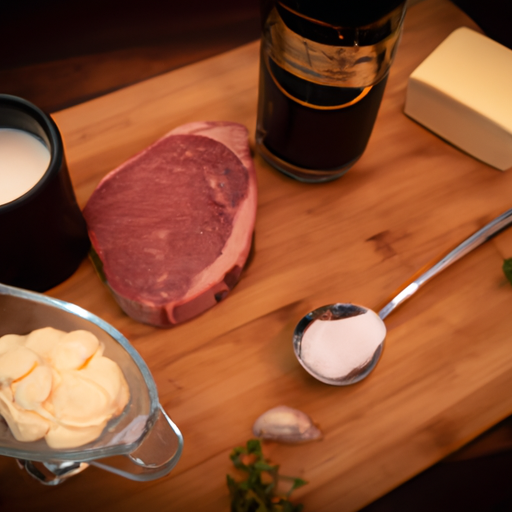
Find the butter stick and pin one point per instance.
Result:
(463, 92)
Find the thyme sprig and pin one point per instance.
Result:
(507, 269)
(258, 492)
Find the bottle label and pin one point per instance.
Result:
(311, 94)
(355, 66)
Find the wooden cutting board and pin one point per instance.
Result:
(446, 372)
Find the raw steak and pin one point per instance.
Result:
(172, 226)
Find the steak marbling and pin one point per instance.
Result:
(173, 225)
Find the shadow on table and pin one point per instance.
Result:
(477, 478)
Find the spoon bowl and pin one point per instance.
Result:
(346, 363)
(357, 360)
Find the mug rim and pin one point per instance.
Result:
(55, 144)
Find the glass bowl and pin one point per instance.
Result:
(144, 434)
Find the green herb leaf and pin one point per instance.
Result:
(297, 482)
(507, 269)
(257, 493)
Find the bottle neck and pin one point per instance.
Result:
(341, 22)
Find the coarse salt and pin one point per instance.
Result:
(334, 348)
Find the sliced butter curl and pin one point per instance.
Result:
(58, 386)
(31, 391)
(25, 425)
(10, 341)
(43, 340)
(16, 363)
(73, 350)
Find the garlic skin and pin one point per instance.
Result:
(286, 425)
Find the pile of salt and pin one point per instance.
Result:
(335, 348)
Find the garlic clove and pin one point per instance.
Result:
(286, 425)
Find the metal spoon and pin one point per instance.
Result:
(341, 312)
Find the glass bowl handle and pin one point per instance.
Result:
(158, 453)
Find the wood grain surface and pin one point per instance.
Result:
(446, 372)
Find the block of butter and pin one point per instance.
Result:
(463, 92)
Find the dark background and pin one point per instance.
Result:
(57, 53)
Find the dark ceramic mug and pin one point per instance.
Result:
(43, 236)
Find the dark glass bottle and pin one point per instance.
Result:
(323, 71)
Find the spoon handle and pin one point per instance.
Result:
(475, 240)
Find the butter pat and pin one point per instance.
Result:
(463, 92)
